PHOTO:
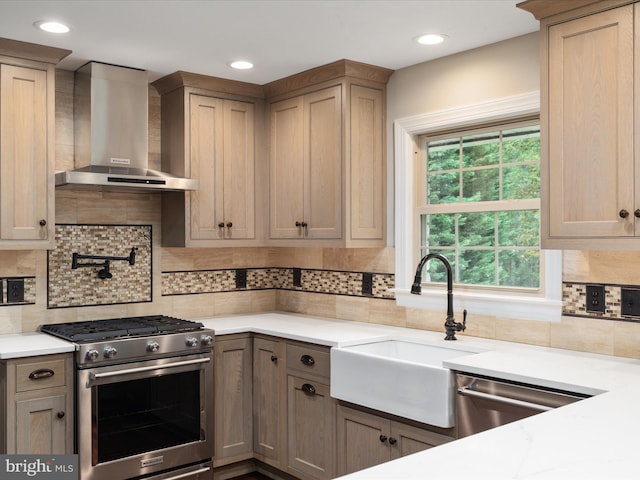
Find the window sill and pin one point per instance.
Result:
(517, 307)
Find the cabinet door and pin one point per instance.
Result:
(367, 168)
(206, 155)
(41, 425)
(24, 174)
(406, 439)
(362, 440)
(286, 172)
(235, 190)
(310, 432)
(233, 400)
(590, 126)
(323, 163)
(268, 400)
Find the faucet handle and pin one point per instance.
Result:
(464, 319)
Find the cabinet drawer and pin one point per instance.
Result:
(40, 374)
(309, 360)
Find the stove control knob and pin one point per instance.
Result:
(153, 347)
(110, 352)
(191, 341)
(92, 355)
(207, 340)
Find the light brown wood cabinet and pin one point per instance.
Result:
(38, 405)
(233, 399)
(365, 439)
(311, 413)
(209, 134)
(590, 197)
(327, 151)
(269, 401)
(27, 144)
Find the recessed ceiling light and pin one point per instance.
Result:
(430, 39)
(51, 27)
(241, 65)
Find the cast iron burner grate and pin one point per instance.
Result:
(93, 330)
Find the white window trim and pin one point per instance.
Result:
(406, 131)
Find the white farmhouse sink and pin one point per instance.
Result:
(399, 377)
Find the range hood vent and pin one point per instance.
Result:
(111, 110)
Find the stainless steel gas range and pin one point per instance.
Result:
(144, 387)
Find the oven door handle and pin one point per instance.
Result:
(509, 401)
(127, 371)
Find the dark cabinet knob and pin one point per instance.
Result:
(637, 213)
(623, 213)
(308, 389)
(383, 438)
(392, 441)
(60, 414)
(274, 359)
(303, 224)
(307, 360)
(298, 224)
(221, 225)
(43, 222)
(229, 225)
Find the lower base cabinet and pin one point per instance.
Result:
(310, 428)
(365, 439)
(233, 406)
(38, 405)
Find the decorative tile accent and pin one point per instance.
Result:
(67, 287)
(574, 302)
(311, 280)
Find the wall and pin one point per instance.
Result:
(503, 69)
(498, 70)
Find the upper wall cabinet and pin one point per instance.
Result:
(209, 129)
(327, 157)
(27, 144)
(589, 115)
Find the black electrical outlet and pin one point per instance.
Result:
(15, 290)
(241, 278)
(367, 283)
(630, 302)
(595, 299)
(297, 277)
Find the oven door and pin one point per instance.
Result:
(140, 418)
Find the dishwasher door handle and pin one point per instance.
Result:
(506, 400)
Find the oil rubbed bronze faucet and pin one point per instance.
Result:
(450, 324)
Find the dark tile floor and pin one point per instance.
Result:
(252, 476)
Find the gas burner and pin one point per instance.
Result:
(112, 328)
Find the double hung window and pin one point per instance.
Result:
(479, 206)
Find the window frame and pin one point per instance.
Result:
(545, 305)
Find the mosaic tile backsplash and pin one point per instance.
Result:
(373, 285)
(67, 287)
(574, 301)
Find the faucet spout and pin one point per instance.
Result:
(450, 324)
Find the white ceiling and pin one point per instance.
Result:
(281, 37)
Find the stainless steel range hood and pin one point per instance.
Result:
(111, 133)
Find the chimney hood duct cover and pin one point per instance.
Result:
(112, 134)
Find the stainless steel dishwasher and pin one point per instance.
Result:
(483, 402)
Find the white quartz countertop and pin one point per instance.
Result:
(591, 439)
(32, 344)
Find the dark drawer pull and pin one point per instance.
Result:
(41, 373)
(274, 359)
(60, 414)
(308, 388)
(307, 360)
